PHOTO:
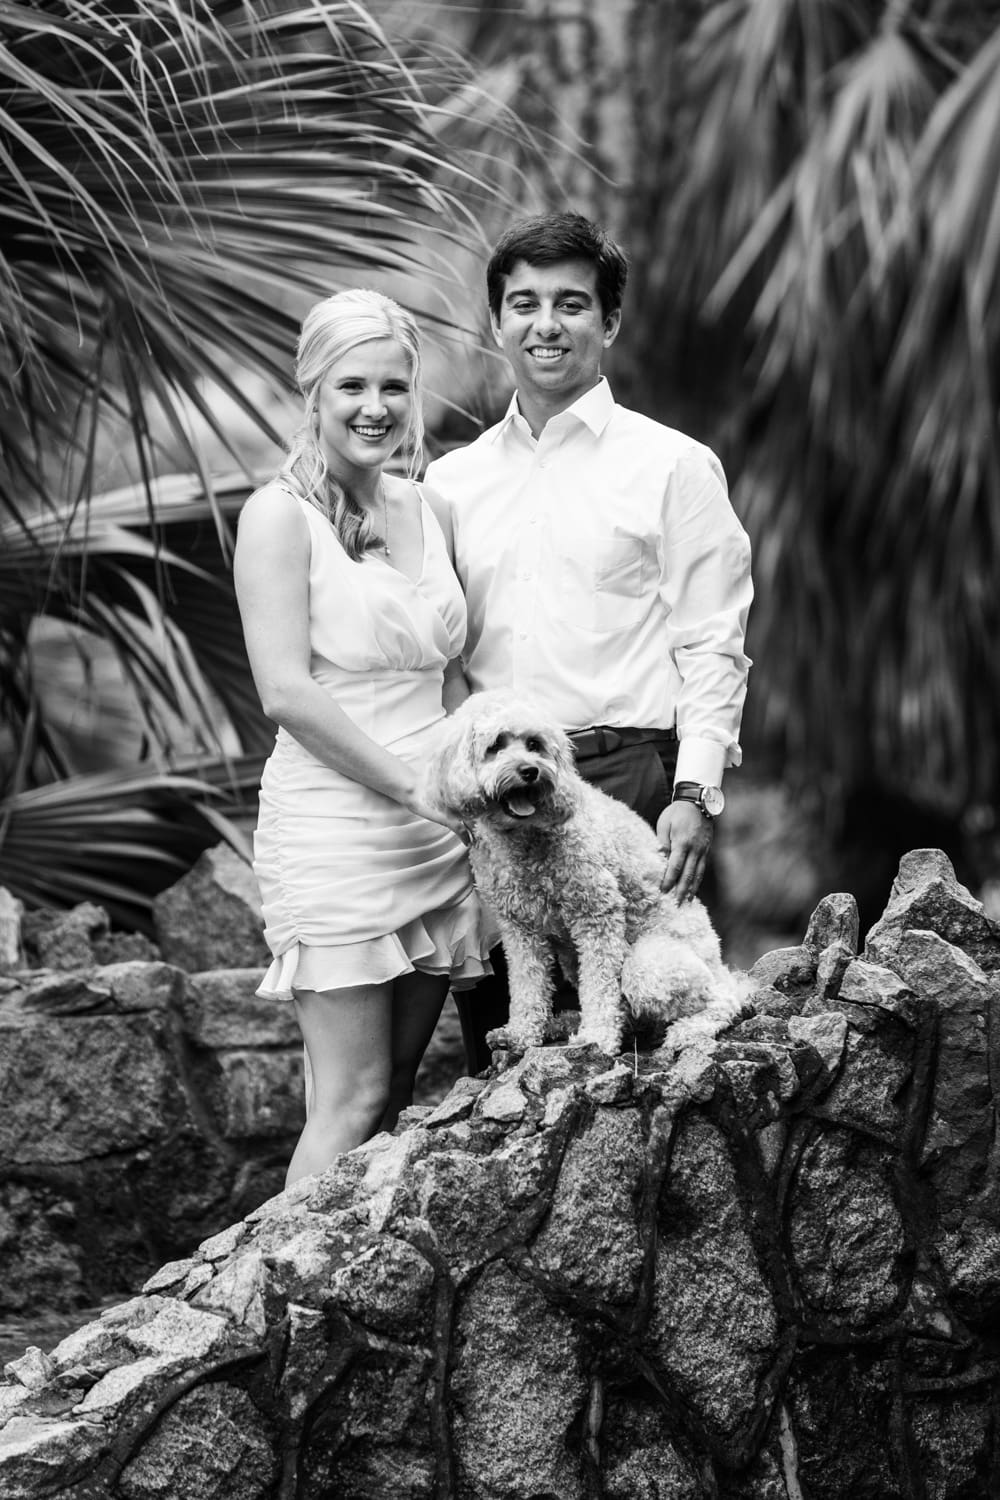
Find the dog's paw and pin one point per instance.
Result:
(703, 1027)
(514, 1038)
(608, 1039)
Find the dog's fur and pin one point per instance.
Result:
(572, 873)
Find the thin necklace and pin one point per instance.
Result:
(385, 512)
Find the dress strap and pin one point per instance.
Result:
(286, 484)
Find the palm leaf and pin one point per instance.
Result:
(176, 175)
(117, 839)
(161, 599)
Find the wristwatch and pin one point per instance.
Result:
(707, 799)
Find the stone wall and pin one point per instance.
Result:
(147, 1098)
(767, 1268)
(142, 1109)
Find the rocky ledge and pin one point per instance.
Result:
(768, 1267)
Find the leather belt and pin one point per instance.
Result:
(602, 739)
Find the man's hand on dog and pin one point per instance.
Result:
(686, 837)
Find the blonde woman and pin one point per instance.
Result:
(354, 621)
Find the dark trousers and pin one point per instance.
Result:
(641, 776)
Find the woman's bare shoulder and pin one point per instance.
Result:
(274, 500)
(273, 518)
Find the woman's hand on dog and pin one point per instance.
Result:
(425, 807)
(686, 837)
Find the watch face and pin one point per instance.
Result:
(712, 800)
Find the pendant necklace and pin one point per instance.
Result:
(385, 512)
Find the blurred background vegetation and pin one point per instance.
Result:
(808, 193)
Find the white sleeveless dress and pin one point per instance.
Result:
(355, 888)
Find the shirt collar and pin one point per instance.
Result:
(594, 409)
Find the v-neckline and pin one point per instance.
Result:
(388, 563)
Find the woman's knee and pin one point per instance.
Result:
(360, 1089)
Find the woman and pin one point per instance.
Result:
(353, 619)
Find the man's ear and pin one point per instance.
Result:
(495, 326)
(612, 323)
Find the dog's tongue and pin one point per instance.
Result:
(520, 805)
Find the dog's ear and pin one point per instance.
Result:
(562, 750)
(565, 796)
(450, 777)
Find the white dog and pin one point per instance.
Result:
(574, 874)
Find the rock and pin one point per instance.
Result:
(66, 939)
(11, 948)
(133, 1122)
(926, 895)
(211, 918)
(211, 1445)
(592, 1243)
(766, 1266)
(220, 1009)
(714, 1349)
(50, 1066)
(518, 1383)
(846, 1234)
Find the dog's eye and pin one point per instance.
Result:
(500, 743)
(535, 745)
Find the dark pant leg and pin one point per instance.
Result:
(483, 1009)
(641, 776)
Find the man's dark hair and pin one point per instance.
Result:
(547, 238)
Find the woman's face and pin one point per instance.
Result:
(364, 406)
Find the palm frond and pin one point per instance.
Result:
(115, 838)
(161, 599)
(175, 175)
(950, 429)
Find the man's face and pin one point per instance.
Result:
(552, 330)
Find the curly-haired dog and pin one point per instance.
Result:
(570, 872)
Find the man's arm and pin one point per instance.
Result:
(706, 590)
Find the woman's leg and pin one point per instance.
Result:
(417, 1000)
(348, 1036)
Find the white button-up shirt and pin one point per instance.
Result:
(605, 573)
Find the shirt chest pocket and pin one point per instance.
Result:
(600, 582)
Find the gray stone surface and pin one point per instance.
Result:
(211, 918)
(766, 1267)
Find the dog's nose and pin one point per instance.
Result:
(528, 773)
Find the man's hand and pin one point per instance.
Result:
(686, 837)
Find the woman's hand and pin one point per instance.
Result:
(424, 807)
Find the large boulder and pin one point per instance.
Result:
(142, 1108)
(211, 918)
(767, 1266)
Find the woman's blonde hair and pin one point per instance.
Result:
(331, 329)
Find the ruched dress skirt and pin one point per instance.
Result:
(355, 888)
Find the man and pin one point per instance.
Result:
(604, 569)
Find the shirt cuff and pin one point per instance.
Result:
(703, 761)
